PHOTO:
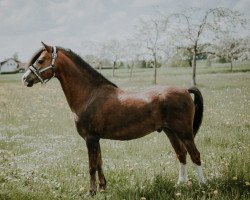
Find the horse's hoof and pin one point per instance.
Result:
(102, 186)
(102, 190)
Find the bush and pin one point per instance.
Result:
(150, 64)
(208, 62)
(222, 60)
(179, 63)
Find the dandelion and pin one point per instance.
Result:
(178, 194)
(189, 183)
(215, 192)
(81, 189)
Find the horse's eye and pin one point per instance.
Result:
(40, 61)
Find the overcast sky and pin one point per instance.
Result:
(69, 23)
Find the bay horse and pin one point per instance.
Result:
(104, 111)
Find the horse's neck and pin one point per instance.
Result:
(76, 88)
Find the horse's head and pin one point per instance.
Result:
(41, 67)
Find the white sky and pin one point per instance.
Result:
(69, 23)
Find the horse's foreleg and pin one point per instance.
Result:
(181, 153)
(102, 180)
(93, 146)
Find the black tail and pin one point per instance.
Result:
(198, 101)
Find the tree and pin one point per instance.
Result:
(98, 53)
(151, 35)
(232, 49)
(102, 52)
(15, 56)
(115, 52)
(195, 33)
(132, 53)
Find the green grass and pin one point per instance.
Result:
(43, 157)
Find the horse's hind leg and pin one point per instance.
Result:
(195, 157)
(181, 153)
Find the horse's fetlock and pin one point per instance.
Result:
(102, 184)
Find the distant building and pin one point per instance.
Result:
(11, 66)
(22, 67)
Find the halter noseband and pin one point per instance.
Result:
(38, 72)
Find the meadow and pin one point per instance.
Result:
(43, 157)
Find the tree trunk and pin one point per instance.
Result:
(100, 67)
(231, 65)
(131, 69)
(155, 66)
(114, 64)
(194, 68)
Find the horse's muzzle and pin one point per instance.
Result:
(26, 80)
(28, 83)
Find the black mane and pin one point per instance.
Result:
(84, 65)
(79, 62)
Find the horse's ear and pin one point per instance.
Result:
(47, 47)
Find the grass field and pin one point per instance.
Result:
(43, 157)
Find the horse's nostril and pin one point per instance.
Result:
(24, 80)
(29, 84)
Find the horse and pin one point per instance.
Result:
(102, 110)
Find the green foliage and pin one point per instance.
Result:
(180, 63)
(150, 64)
(15, 56)
(201, 56)
(144, 64)
(208, 62)
(222, 60)
(43, 157)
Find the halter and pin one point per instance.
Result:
(38, 72)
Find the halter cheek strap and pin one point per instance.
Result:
(38, 72)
